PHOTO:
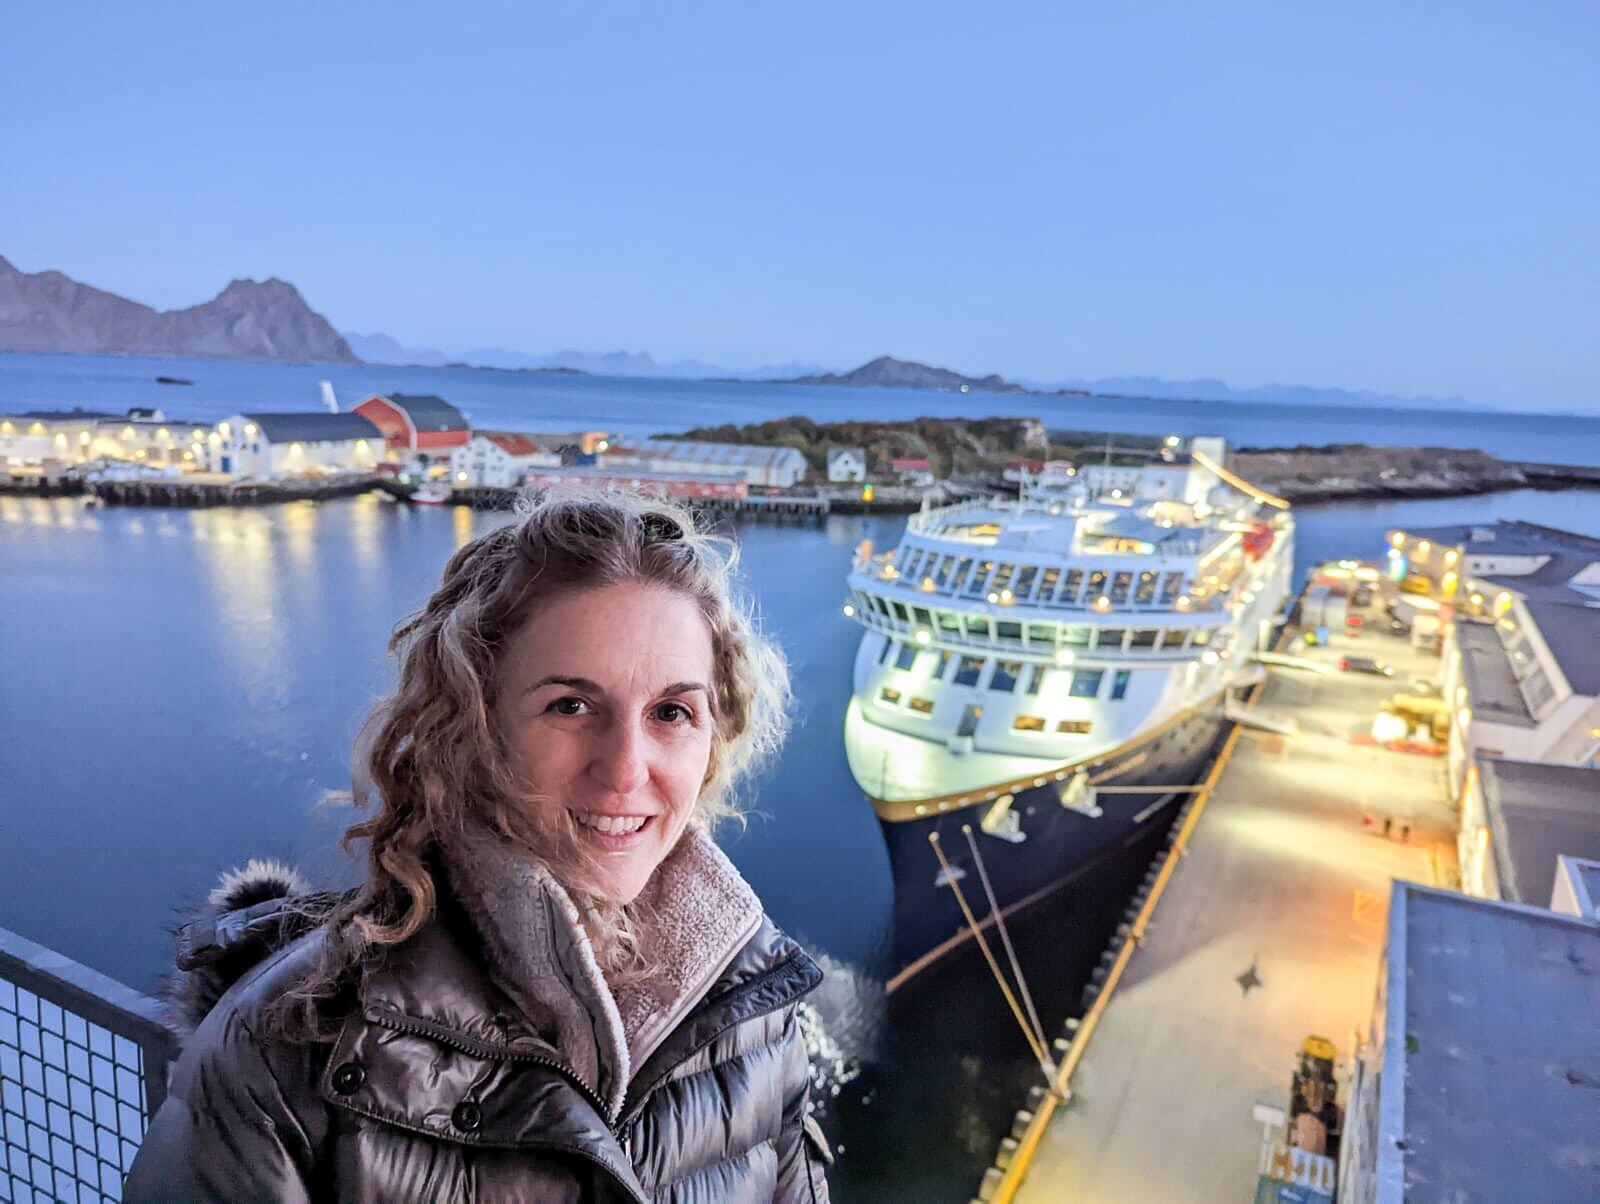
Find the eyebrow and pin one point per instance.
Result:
(594, 687)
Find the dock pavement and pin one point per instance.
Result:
(1270, 929)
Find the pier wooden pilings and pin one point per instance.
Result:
(200, 494)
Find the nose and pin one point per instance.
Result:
(620, 762)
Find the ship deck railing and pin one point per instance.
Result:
(83, 1067)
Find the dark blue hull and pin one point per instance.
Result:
(1060, 841)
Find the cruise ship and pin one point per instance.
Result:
(1055, 671)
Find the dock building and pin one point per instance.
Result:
(501, 459)
(51, 439)
(777, 467)
(670, 484)
(1518, 818)
(416, 424)
(266, 447)
(846, 464)
(1476, 1077)
(1520, 673)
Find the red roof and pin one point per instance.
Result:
(910, 465)
(514, 442)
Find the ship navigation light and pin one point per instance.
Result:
(849, 611)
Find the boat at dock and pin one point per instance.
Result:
(1054, 671)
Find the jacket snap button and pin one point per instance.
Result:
(467, 1116)
(348, 1078)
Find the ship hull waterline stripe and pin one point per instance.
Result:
(899, 811)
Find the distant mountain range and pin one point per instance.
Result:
(382, 349)
(269, 320)
(886, 372)
(250, 319)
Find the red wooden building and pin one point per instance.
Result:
(416, 422)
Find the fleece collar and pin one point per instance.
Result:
(534, 939)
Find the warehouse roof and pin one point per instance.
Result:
(733, 455)
(1506, 535)
(313, 426)
(1572, 633)
(1538, 810)
(1491, 686)
(1490, 1034)
(427, 412)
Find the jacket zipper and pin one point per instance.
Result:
(484, 1049)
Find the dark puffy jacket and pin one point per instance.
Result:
(439, 1087)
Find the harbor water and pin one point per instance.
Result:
(181, 688)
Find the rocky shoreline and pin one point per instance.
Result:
(1340, 473)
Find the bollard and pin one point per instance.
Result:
(1020, 1123)
(1060, 1045)
(1072, 1024)
(990, 1184)
(1008, 1151)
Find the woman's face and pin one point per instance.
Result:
(604, 706)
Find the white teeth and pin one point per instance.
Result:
(611, 825)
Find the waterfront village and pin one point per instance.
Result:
(1400, 838)
(428, 448)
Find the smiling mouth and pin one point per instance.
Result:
(611, 825)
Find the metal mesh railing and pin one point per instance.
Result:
(83, 1067)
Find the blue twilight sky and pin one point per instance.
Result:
(1402, 197)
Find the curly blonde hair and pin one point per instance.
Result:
(429, 759)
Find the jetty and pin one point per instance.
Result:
(1264, 924)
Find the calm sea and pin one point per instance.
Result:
(180, 687)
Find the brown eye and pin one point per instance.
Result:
(570, 705)
(673, 712)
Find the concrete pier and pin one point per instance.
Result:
(1268, 929)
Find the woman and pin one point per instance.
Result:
(552, 985)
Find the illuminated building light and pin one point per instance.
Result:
(1065, 656)
(849, 611)
(1398, 539)
(1183, 601)
(993, 597)
(1006, 596)
(924, 638)
(1102, 603)
(1209, 657)
(1172, 441)
(250, 429)
(163, 434)
(214, 439)
(461, 477)
(83, 438)
(225, 429)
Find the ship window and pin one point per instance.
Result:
(1074, 727)
(879, 605)
(900, 612)
(1042, 635)
(1076, 636)
(907, 657)
(962, 567)
(1119, 684)
(1111, 637)
(1145, 638)
(1047, 583)
(1006, 629)
(1071, 584)
(942, 577)
(1002, 579)
(1035, 678)
(980, 576)
(1086, 683)
(922, 706)
(1027, 723)
(888, 644)
(889, 695)
(1025, 579)
(1120, 585)
(1146, 593)
(949, 621)
(941, 665)
(1005, 676)
(923, 616)
(978, 627)
(968, 670)
(1171, 587)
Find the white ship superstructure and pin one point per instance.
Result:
(1008, 640)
